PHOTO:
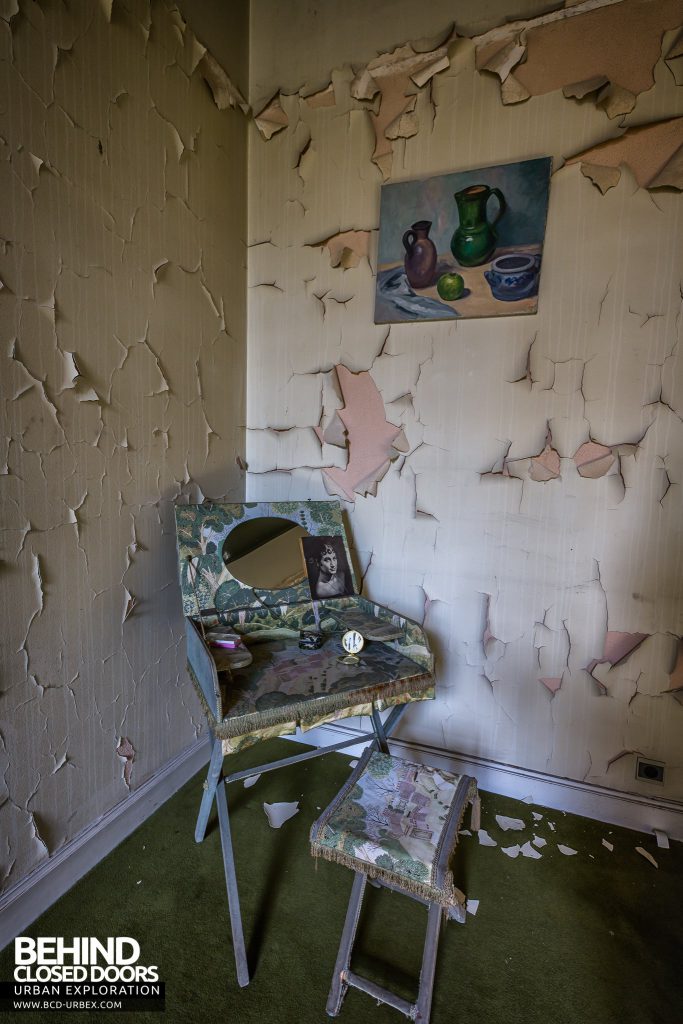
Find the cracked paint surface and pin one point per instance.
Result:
(122, 333)
(531, 517)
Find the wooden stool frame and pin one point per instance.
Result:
(344, 978)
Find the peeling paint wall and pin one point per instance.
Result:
(123, 326)
(529, 510)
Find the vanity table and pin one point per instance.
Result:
(242, 570)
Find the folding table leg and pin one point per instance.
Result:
(339, 983)
(214, 774)
(231, 886)
(423, 1005)
(393, 718)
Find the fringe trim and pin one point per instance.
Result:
(306, 713)
(447, 897)
(210, 717)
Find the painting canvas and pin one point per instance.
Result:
(467, 244)
(327, 567)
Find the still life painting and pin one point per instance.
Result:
(466, 244)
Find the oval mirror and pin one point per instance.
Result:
(265, 553)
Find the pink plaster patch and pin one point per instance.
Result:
(370, 436)
(617, 647)
(545, 466)
(553, 683)
(593, 460)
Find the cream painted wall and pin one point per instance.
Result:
(122, 306)
(514, 579)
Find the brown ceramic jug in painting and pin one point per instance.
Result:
(420, 259)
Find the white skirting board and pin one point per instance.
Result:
(29, 898)
(630, 810)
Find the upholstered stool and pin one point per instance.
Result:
(396, 822)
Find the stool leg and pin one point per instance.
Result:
(339, 984)
(215, 769)
(231, 886)
(423, 1005)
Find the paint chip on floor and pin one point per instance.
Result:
(662, 839)
(551, 826)
(539, 841)
(251, 781)
(352, 764)
(485, 839)
(647, 856)
(608, 846)
(472, 907)
(464, 832)
(278, 814)
(536, 816)
(530, 851)
(511, 851)
(566, 850)
(513, 824)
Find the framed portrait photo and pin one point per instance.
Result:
(327, 567)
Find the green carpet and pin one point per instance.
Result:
(586, 939)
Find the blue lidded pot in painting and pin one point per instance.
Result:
(514, 276)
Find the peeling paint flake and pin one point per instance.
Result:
(506, 823)
(126, 752)
(346, 249)
(653, 152)
(225, 92)
(398, 77)
(279, 813)
(610, 51)
(272, 118)
(647, 856)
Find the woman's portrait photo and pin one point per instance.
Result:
(327, 567)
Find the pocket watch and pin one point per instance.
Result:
(353, 643)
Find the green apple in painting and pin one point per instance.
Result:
(450, 286)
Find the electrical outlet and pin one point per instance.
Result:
(649, 771)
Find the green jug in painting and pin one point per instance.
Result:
(474, 240)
